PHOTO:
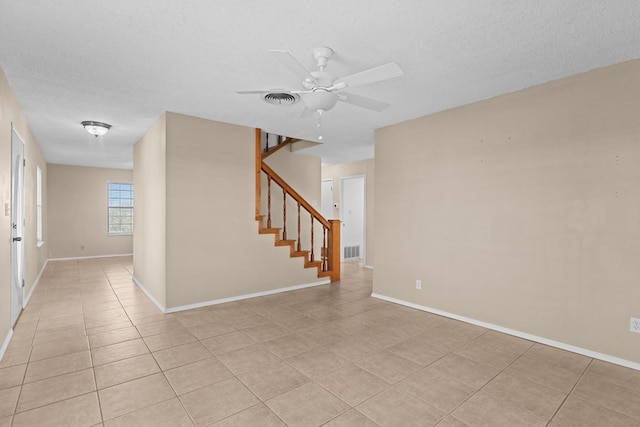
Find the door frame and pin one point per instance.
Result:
(17, 224)
(364, 213)
(322, 200)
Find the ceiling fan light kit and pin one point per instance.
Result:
(321, 90)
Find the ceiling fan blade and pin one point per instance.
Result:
(362, 101)
(383, 72)
(291, 63)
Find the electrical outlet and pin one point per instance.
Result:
(634, 325)
(419, 285)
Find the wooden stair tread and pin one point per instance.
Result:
(269, 231)
(286, 243)
(309, 264)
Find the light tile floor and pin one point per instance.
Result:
(91, 349)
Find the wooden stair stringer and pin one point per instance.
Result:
(293, 253)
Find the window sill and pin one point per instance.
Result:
(119, 234)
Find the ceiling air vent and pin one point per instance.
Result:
(280, 98)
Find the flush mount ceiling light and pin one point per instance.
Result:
(96, 128)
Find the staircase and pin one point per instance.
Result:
(317, 240)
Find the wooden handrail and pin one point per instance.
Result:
(294, 194)
(278, 147)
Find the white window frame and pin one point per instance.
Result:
(39, 213)
(119, 206)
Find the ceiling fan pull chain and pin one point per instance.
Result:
(319, 125)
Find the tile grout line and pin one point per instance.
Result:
(489, 381)
(95, 379)
(24, 375)
(584, 372)
(154, 359)
(570, 392)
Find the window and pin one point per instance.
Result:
(39, 205)
(120, 207)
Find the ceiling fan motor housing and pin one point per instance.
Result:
(322, 55)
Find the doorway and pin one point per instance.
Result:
(352, 192)
(326, 198)
(17, 225)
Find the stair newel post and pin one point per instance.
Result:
(334, 249)
(268, 201)
(312, 256)
(299, 245)
(258, 175)
(284, 214)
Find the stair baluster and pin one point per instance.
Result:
(284, 214)
(299, 248)
(268, 201)
(312, 258)
(323, 251)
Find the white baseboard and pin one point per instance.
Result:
(519, 334)
(148, 294)
(89, 257)
(325, 281)
(247, 296)
(35, 284)
(5, 344)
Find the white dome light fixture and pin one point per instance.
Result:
(96, 128)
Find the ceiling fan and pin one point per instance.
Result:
(321, 90)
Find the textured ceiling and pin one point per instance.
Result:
(125, 62)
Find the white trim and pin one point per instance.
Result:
(15, 129)
(325, 281)
(541, 340)
(18, 208)
(322, 201)
(364, 214)
(39, 204)
(118, 233)
(35, 284)
(247, 296)
(5, 344)
(368, 267)
(89, 257)
(148, 294)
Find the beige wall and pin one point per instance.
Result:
(78, 212)
(213, 249)
(35, 257)
(521, 211)
(149, 233)
(365, 168)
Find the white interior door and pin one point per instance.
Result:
(17, 225)
(352, 216)
(326, 198)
